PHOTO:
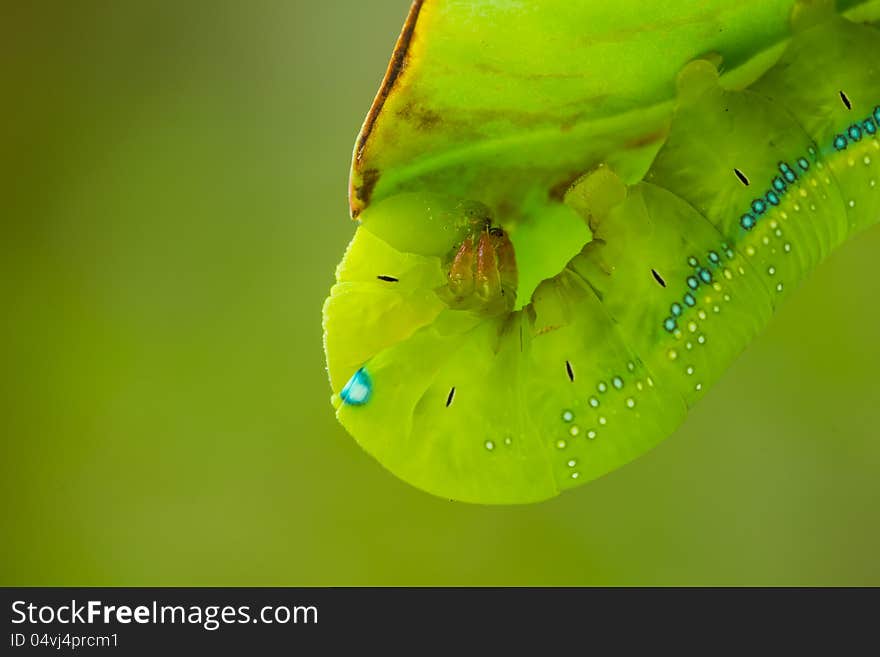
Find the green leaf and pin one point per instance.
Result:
(507, 103)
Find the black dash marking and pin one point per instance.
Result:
(658, 278)
(570, 371)
(449, 398)
(742, 177)
(846, 100)
(389, 279)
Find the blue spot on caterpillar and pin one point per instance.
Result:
(358, 389)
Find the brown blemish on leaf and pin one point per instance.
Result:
(362, 193)
(423, 118)
(557, 191)
(648, 139)
(547, 329)
(359, 197)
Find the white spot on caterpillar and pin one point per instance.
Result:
(575, 430)
(560, 444)
(489, 445)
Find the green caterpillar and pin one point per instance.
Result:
(462, 391)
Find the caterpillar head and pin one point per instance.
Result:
(482, 275)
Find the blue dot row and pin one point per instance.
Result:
(701, 275)
(779, 186)
(857, 130)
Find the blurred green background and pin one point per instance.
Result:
(174, 181)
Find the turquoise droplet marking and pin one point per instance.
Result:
(779, 184)
(689, 299)
(877, 114)
(676, 309)
(669, 324)
(747, 221)
(692, 261)
(692, 282)
(358, 389)
(869, 126)
(617, 382)
(759, 206)
(772, 198)
(840, 142)
(705, 275)
(854, 132)
(714, 258)
(803, 163)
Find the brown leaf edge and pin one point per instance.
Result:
(359, 195)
